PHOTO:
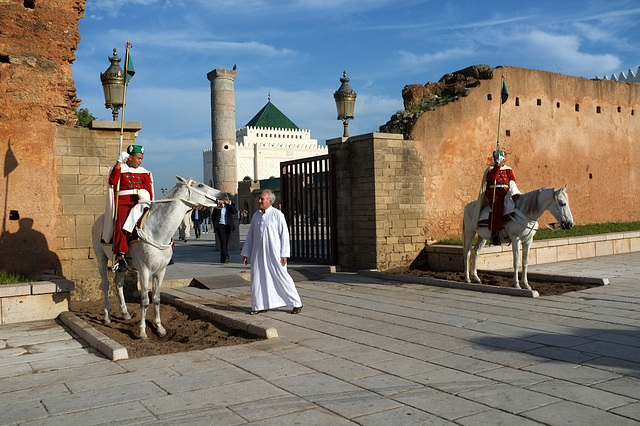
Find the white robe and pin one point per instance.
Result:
(266, 243)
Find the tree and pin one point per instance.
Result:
(84, 117)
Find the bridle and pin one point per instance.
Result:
(192, 204)
(188, 201)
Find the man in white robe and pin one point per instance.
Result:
(267, 245)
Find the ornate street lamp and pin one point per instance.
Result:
(113, 85)
(345, 99)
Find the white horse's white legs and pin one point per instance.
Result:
(157, 282)
(515, 247)
(525, 264)
(474, 258)
(119, 279)
(143, 279)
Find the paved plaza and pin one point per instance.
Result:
(363, 351)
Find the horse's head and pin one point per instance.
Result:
(560, 208)
(199, 194)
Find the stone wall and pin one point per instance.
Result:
(380, 190)
(83, 159)
(37, 97)
(556, 130)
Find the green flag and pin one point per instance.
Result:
(504, 93)
(130, 71)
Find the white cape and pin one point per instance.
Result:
(266, 243)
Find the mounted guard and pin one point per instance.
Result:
(130, 191)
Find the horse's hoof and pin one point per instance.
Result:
(516, 285)
(107, 321)
(126, 316)
(527, 286)
(162, 332)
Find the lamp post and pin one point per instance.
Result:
(113, 85)
(345, 99)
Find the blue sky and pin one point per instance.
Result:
(296, 50)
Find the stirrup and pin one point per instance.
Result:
(120, 265)
(495, 238)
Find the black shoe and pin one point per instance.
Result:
(226, 260)
(495, 238)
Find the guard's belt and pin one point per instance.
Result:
(129, 192)
(498, 186)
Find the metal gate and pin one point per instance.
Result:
(308, 202)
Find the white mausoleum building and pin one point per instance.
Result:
(266, 140)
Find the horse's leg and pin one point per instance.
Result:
(525, 263)
(119, 280)
(515, 244)
(474, 258)
(143, 280)
(157, 283)
(104, 275)
(466, 251)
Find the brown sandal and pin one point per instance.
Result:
(257, 312)
(296, 310)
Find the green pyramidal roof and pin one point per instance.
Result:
(270, 116)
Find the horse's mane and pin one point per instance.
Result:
(529, 204)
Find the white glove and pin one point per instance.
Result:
(123, 157)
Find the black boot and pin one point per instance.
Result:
(495, 238)
(121, 264)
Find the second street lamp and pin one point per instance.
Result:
(345, 99)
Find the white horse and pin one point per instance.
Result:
(152, 254)
(519, 230)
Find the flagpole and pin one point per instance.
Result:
(124, 99)
(124, 93)
(499, 114)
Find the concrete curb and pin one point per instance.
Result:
(220, 318)
(108, 347)
(450, 284)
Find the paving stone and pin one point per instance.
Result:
(628, 386)
(495, 417)
(569, 413)
(101, 397)
(203, 379)
(213, 397)
(581, 394)
(158, 361)
(386, 384)
(439, 403)
(401, 416)
(450, 380)
(271, 408)
(631, 411)
(571, 372)
(514, 376)
(271, 367)
(343, 368)
(125, 413)
(356, 404)
(123, 378)
(315, 385)
(22, 411)
(511, 399)
(35, 394)
(222, 416)
(53, 363)
(464, 363)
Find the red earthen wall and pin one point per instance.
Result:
(548, 143)
(37, 43)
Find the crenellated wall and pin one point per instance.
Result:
(556, 130)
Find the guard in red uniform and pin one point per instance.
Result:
(127, 178)
(496, 180)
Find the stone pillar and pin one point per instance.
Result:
(223, 139)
